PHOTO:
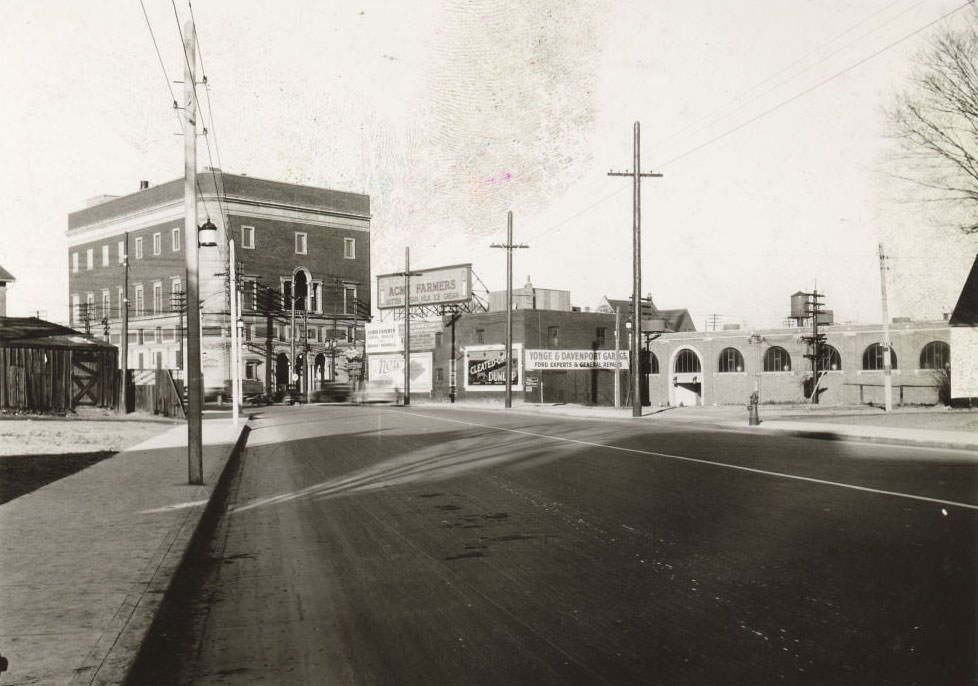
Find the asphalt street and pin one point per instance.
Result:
(390, 545)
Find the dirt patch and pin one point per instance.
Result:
(37, 451)
(53, 436)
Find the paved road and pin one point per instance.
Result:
(433, 546)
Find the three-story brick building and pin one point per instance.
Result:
(280, 231)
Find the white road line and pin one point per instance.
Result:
(725, 465)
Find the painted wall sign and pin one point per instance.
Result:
(575, 359)
(437, 286)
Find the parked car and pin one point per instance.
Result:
(377, 391)
(333, 392)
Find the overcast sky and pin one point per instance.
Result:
(450, 113)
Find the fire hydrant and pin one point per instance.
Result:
(753, 419)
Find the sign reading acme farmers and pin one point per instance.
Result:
(575, 359)
(428, 287)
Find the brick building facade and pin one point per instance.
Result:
(278, 228)
(687, 367)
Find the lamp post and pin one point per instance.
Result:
(753, 416)
(201, 237)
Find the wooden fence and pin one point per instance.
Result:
(48, 379)
(159, 393)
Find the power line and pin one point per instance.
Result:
(747, 99)
(210, 110)
(763, 114)
(159, 56)
(814, 87)
(217, 187)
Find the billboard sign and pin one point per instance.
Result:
(539, 360)
(392, 367)
(485, 368)
(438, 286)
(389, 336)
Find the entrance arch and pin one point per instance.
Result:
(686, 368)
(282, 370)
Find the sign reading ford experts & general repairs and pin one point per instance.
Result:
(539, 360)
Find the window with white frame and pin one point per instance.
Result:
(89, 258)
(300, 243)
(349, 300)
(350, 248)
(105, 255)
(106, 303)
(249, 293)
(139, 248)
(157, 243)
(316, 297)
(175, 239)
(74, 262)
(157, 297)
(139, 309)
(90, 312)
(75, 308)
(122, 252)
(248, 237)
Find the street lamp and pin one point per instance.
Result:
(207, 235)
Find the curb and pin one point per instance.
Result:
(112, 663)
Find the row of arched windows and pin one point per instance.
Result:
(934, 355)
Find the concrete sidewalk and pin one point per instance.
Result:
(833, 423)
(86, 559)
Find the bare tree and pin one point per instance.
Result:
(936, 121)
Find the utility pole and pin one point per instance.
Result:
(617, 359)
(407, 324)
(124, 338)
(637, 176)
(235, 340)
(509, 246)
(195, 449)
(887, 372)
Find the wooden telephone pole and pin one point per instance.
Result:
(636, 347)
(509, 246)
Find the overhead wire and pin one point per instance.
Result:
(217, 188)
(789, 72)
(814, 87)
(763, 114)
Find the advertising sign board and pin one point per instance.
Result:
(392, 367)
(437, 286)
(576, 359)
(485, 368)
(389, 336)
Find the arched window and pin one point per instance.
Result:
(730, 361)
(935, 355)
(873, 358)
(777, 359)
(829, 359)
(653, 363)
(687, 362)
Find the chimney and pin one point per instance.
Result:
(143, 185)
